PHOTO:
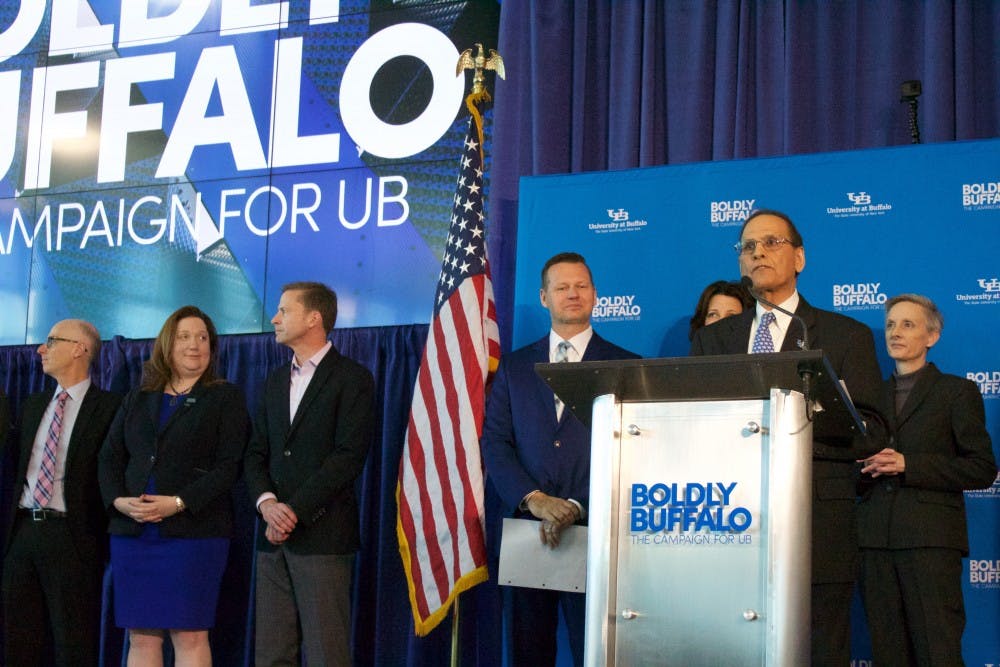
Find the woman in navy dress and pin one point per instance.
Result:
(166, 471)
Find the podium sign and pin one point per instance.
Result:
(698, 557)
(700, 505)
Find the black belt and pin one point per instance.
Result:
(40, 513)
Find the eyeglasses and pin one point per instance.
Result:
(749, 246)
(52, 340)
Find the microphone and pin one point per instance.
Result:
(805, 373)
(746, 282)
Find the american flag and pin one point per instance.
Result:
(440, 490)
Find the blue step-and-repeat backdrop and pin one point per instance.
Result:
(876, 223)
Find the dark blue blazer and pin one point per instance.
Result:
(525, 448)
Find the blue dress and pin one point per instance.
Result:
(166, 582)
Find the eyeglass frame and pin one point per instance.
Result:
(770, 244)
(50, 340)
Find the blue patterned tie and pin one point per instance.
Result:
(763, 342)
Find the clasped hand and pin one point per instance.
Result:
(280, 519)
(556, 514)
(886, 462)
(147, 508)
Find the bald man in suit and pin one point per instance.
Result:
(57, 543)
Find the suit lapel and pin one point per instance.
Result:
(921, 389)
(546, 398)
(188, 401)
(34, 410)
(83, 418)
(794, 337)
(319, 379)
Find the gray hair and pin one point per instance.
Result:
(935, 320)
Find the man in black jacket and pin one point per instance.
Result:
(911, 519)
(310, 442)
(771, 254)
(57, 543)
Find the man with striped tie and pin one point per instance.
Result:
(57, 544)
(772, 254)
(538, 454)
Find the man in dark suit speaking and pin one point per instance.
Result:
(57, 544)
(771, 254)
(538, 454)
(310, 442)
(912, 513)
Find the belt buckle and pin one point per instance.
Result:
(38, 514)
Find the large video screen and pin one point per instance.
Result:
(159, 153)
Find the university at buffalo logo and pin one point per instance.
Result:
(619, 221)
(989, 293)
(861, 205)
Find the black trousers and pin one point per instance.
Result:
(913, 601)
(50, 595)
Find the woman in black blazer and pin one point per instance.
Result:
(166, 471)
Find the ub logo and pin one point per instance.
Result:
(860, 198)
(992, 285)
(618, 216)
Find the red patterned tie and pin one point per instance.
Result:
(47, 472)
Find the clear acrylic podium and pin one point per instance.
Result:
(700, 504)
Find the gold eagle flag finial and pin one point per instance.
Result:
(478, 63)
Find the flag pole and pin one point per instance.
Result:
(454, 631)
(479, 95)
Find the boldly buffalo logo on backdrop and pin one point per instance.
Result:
(730, 212)
(987, 381)
(221, 149)
(859, 204)
(617, 308)
(981, 196)
(984, 573)
(859, 296)
(685, 513)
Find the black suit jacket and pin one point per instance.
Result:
(850, 348)
(941, 432)
(84, 511)
(311, 463)
(196, 456)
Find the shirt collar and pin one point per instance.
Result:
(77, 391)
(579, 341)
(314, 360)
(780, 319)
